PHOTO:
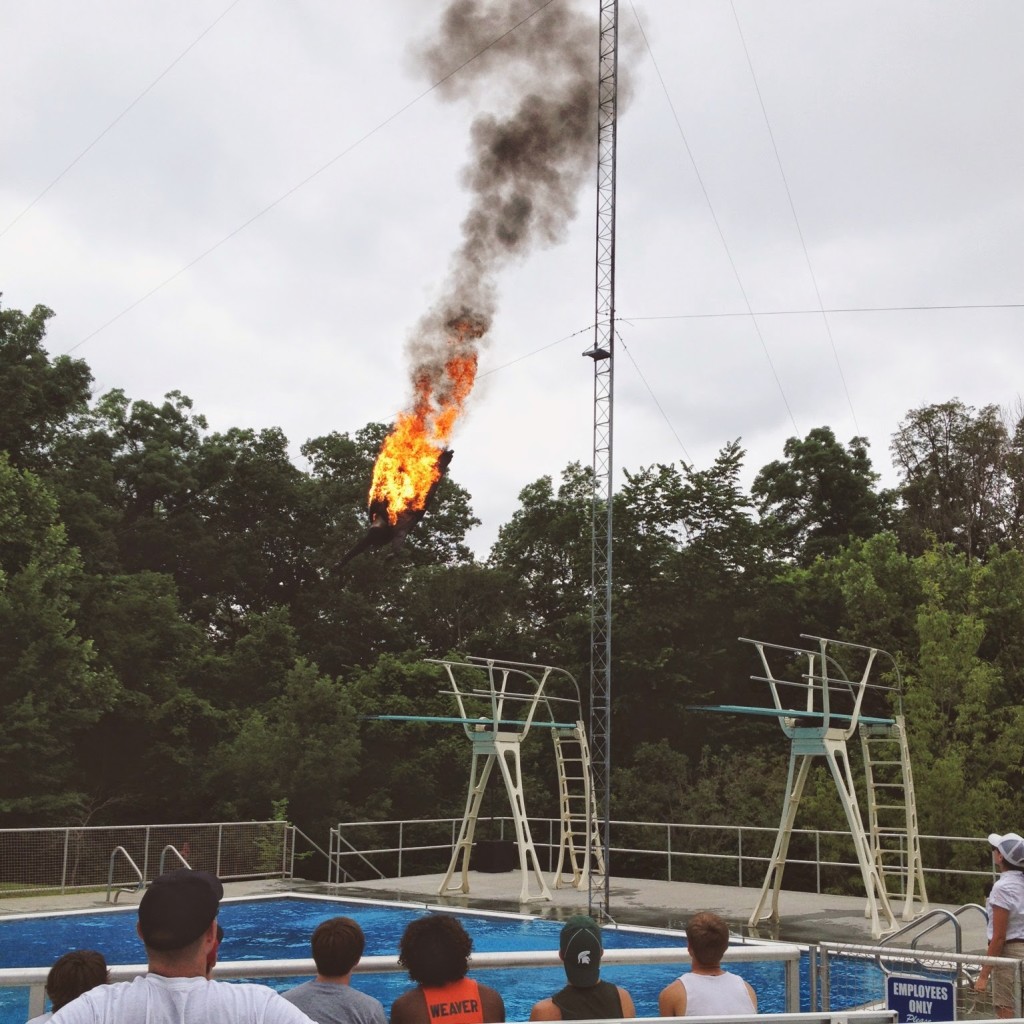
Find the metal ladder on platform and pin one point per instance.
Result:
(579, 850)
(892, 815)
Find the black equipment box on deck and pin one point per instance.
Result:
(493, 855)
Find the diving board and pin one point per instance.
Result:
(476, 723)
(832, 712)
(736, 709)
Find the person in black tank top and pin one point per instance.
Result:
(586, 997)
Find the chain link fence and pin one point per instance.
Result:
(58, 860)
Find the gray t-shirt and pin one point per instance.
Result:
(330, 1003)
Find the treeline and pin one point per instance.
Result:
(178, 643)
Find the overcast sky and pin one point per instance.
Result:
(870, 153)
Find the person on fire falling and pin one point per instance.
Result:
(435, 951)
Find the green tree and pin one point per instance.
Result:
(962, 737)
(50, 689)
(819, 497)
(953, 463)
(547, 547)
(303, 745)
(37, 397)
(408, 766)
(677, 627)
(878, 591)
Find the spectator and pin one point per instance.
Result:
(71, 975)
(586, 997)
(1004, 909)
(178, 926)
(338, 944)
(707, 990)
(435, 951)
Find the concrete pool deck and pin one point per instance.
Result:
(805, 917)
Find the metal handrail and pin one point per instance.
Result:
(937, 917)
(326, 854)
(921, 927)
(336, 834)
(177, 853)
(110, 873)
(962, 962)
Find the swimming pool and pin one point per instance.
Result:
(279, 928)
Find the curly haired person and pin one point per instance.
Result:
(435, 951)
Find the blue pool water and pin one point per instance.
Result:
(279, 928)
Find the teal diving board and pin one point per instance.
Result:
(469, 721)
(735, 709)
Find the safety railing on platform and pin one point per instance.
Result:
(673, 851)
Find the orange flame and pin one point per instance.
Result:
(407, 466)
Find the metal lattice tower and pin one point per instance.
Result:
(602, 354)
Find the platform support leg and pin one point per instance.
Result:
(474, 798)
(878, 909)
(795, 782)
(511, 771)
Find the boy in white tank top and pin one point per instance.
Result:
(707, 990)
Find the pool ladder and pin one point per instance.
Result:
(925, 925)
(110, 874)
(140, 878)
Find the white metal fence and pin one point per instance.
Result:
(34, 978)
(49, 860)
(673, 851)
(44, 860)
(833, 988)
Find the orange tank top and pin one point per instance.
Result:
(455, 1003)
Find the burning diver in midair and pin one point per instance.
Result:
(382, 531)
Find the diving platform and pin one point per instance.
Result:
(499, 703)
(834, 682)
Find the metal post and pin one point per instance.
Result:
(401, 834)
(739, 856)
(1017, 988)
(792, 972)
(145, 859)
(817, 862)
(826, 980)
(64, 866)
(812, 978)
(220, 839)
(603, 483)
(668, 847)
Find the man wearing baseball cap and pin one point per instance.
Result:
(586, 997)
(178, 926)
(1005, 911)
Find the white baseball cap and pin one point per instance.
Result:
(1011, 846)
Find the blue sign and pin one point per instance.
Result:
(919, 999)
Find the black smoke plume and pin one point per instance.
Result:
(534, 66)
